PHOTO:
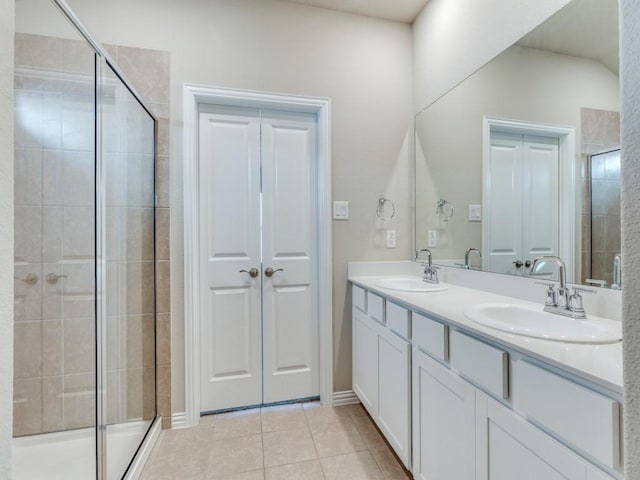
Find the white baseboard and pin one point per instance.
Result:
(179, 420)
(140, 460)
(345, 397)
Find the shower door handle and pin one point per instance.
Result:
(253, 273)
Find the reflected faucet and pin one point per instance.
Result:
(430, 274)
(617, 272)
(466, 256)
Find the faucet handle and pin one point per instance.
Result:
(575, 301)
(552, 297)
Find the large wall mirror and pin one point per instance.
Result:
(522, 159)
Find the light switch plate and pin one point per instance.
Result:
(475, 213)
(340, 210)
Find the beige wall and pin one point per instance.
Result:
(453, 38)
(362, 64)
(6, 234)
(630, 121)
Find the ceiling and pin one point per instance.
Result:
(396, 10)
(584, 28)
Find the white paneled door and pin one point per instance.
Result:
(521, 184)
(258, 257)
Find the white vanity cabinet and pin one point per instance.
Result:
(455, 405)
(443, 422)
(382, 372)
(514, 448)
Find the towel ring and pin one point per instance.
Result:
(444, 210)
(381, 211)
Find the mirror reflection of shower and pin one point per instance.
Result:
(603, 230)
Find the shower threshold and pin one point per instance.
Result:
(71, 455)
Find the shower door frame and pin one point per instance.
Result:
(144, 449)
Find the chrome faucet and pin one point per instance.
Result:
(430, 273)
(617, 272)
(466, 256)
(561, 303)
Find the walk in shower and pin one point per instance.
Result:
(84, 362)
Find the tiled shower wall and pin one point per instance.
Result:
(54, 336)
(55, 325)
(600, 132)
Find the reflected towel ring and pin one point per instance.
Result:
(381, 211)
(444, 210)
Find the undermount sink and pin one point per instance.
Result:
(534, 322)
(410, 284)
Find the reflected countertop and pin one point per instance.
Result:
(600, 364)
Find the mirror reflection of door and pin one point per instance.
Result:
(522, 201)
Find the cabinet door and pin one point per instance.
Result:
(517, 450)
(443, 422)
(365, 361)
(394, 386)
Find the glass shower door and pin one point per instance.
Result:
(54, 423)
(128, 139)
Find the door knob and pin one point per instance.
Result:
(528, 263)
(518, 263)
(253, 273)
(270, 271)
(30, 279)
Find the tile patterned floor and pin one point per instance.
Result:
(290, 442)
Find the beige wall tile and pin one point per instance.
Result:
(27, 350)
(78, 167)
(37, 51)
(27, 406)
(163, 336)
(163, 181)
(28, 176)
(79, 233)
(163, 280)
(52, 293)
(162, 233)
(147, 70)
(52, 404)
(164, 395)
(79, 399)
(79, 345)
(27, 298)
(28, 234)
(52, 348)
(76, 56)
(138, 289)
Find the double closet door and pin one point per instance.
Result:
(258, 256)
(522, 201)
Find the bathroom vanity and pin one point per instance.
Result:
(458, 400)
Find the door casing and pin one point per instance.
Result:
(193, 95)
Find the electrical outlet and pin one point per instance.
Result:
(432, 238)
(391, 239)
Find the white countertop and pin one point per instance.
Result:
(600, 364)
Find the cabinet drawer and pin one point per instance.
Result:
(398, 319)
(483, 364)
(429, 336)
(359, 298)
(375, 307)
(582, 417)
